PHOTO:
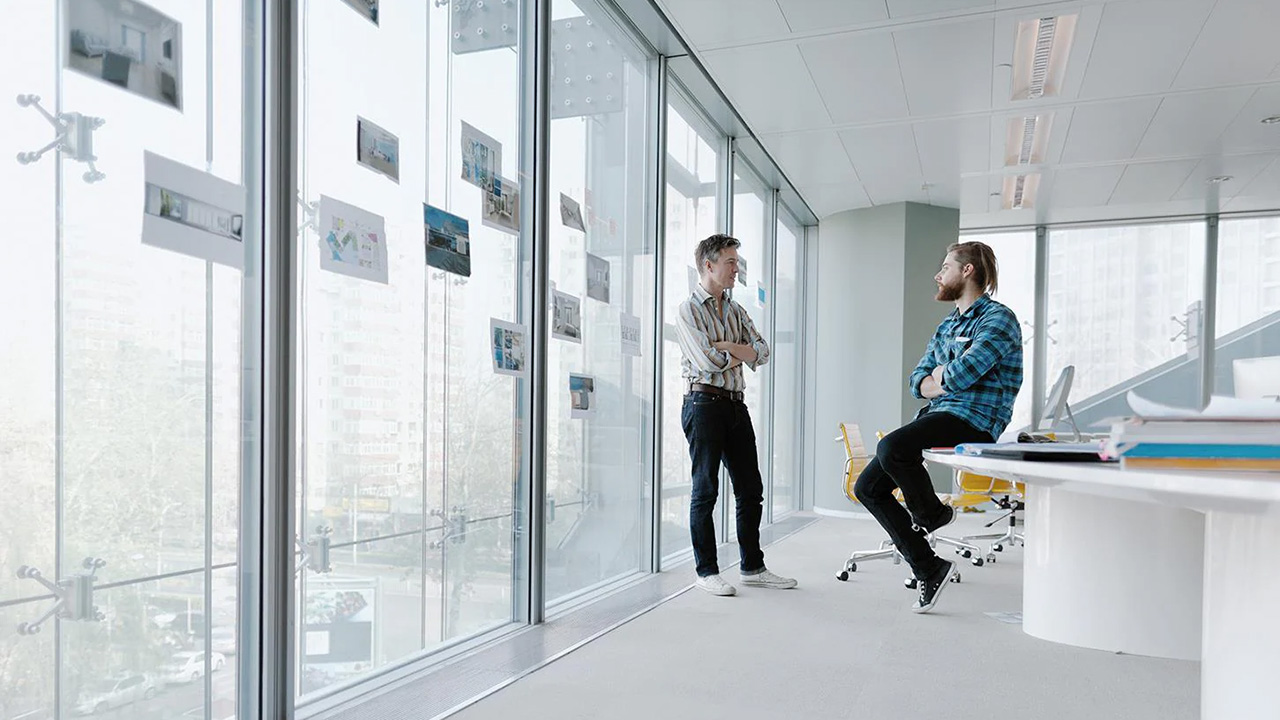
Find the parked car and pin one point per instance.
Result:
(188, 666)
(116, 692)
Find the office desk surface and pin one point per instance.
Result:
(1159, 562)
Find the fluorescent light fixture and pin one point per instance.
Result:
(1020, 191)
(1027, 139)
(1219, 179)
(1040, 56)
(1271, 120)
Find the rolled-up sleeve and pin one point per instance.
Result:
(694, 342)
(754, 339)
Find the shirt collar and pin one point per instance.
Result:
(703, 296)
(977, 305)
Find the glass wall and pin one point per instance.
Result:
(599, 388)
(787, 361)
(694, 160)
(1016, 259)
(411, 257)
(1119, 297)
(120, 404)
(1247, 353)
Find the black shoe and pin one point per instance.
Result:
(931, 588)
(945, 518)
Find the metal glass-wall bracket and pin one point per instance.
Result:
(1027, 338)
(586, 69)
(1188, 326)
(316, 552)
(74, 138)
(74, 596)
(482, 24)
(310, 215)
(455, 527)
(551, 509)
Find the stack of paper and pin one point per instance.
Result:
(1229, 434)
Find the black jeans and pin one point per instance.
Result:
(718, 428)
(899, 462)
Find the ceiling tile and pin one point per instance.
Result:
(1236, 45)
(717, 22)
(857, 76)
(1242, 169)
(944, 194)
(830, 198)
(951, 148)
(1247, 131)
(1106, 132)
(946, 68)
(1151, 182)
(806, 15)
(1265, 185)
(1080, 187)
(899, 9)
(1121, 64)
(1192, 124)
(770, 87)
(811, 158)
(886, 161)
(976, 194)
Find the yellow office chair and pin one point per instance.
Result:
(1007, 495)
(856, 458)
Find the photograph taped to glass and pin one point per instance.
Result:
(566, 316)
(128, 44)
(377, 149)
(508, 348)
(352, 241)
(500, 208)
(192, 212)
(367, 8)
(448, 241)
(582, 395)
(481, 159)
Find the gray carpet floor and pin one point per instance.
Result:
(845, 650)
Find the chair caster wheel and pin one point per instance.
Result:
(910, 583)
(977, 562)
(965, 553)
(955, 578)
(843, 576)
(991, 558)
(997, 548)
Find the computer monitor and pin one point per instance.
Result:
(1257, 377)
(1056, 406)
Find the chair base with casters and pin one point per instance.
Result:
(887, 551)
(1010, 537)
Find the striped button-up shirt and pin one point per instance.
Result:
(982, 351)
(699, 323)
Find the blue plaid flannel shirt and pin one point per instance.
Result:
(982, 351)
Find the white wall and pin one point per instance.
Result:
(873, 313)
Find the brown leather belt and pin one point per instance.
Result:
(735, 395)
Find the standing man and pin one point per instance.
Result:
(970, 373)
(716, 338)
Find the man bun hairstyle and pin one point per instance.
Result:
(710, 248)
(986, 273)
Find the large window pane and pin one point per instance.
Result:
(1119, 296)
(1248, 318)
(599, 397)
(409, 438)
(693, 157)
(786, 361)
(134, 349)
(1016, 259)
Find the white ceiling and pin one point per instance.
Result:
(869, 102)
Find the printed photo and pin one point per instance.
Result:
(571, 213)
(582, 396)
(742, 271)
(367, 8)
(481, 158)
(352, 241)
(192, 212)
(126, 43)
(629, 329)
(500, 209)
(566, 316)
(508, 348)
(448, 241)
(597, 278)
(377, 149)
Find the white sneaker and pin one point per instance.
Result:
(715, 585)
(767, 579)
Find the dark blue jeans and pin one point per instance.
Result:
(718, 428)
(899, 462)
